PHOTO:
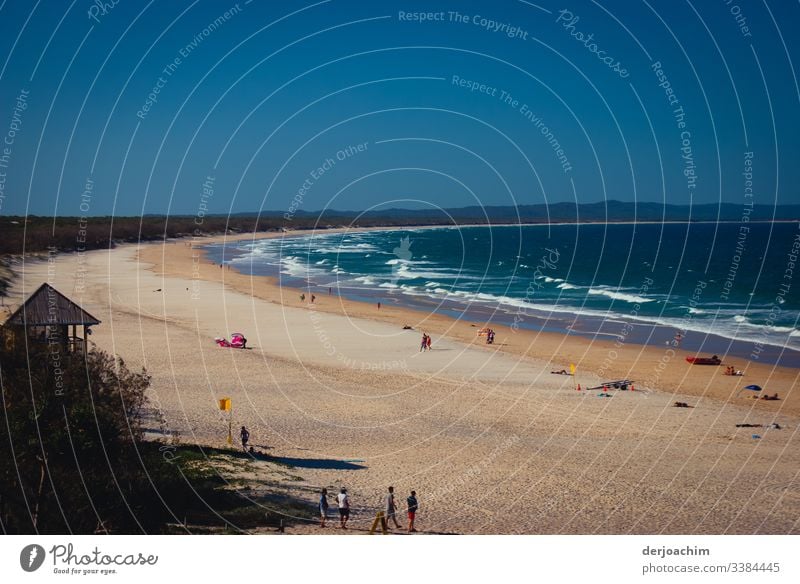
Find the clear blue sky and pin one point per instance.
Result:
(258, 99)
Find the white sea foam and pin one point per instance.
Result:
(406, 272)
(357, 248)
(295, 267)
(412, 290)
(366, 280)
(614, 295)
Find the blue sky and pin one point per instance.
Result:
(260, 95)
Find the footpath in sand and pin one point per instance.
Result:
(489, 439)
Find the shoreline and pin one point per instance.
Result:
(661, 369)
(655, 335)
(652, 331)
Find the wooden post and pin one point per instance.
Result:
(379, 518)
(225, 406)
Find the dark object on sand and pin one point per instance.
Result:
(773, 397)
(617, 384)
(407, 327)
(562, 372)
(680, 405)
(704, 360)
(748, 425)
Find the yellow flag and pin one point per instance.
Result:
(225, 404)
(572, 368)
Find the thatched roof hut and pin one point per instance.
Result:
(47, 315)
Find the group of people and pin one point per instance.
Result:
(390, 508)
(425, 344)
(731, 370)
(343, 501)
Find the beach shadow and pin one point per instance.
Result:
(404, 531)
(317, 463)
(154, 430)
(351, 528)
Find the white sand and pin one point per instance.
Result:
(491, 442)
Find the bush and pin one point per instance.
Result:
(70, 445)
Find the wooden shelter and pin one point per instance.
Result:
(46, 317)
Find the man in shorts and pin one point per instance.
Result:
(344, 507)
(412, 511)
(391, 509)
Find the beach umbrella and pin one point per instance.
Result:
(750, 388)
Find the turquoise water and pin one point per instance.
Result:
(701, 280)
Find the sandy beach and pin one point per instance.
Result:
(491, 440)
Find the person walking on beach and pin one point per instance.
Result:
(428, 343)
(245, 436)
(323, 507)
(379, 305)
(391, 509)
(344, 507)
(424, 344)
(313, 298)
(412, 511)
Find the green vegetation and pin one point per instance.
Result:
(37, 234)
(73, 457)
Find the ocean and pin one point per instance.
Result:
(730, 289)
